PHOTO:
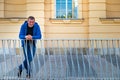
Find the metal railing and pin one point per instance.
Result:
(63, 59)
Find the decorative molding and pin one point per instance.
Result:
(110, 20)
(66, 21)
(12, 19)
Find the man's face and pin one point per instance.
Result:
(31, 22)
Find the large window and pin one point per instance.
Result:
(67, 9)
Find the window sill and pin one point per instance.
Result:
(112, 20)
(13, 19)
(66, 21)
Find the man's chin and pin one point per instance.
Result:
(31, 26)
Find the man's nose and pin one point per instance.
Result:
(31, 23)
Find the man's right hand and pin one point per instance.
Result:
(28, 37)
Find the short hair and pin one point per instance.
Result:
(31, 17)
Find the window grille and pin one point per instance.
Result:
(66, 9)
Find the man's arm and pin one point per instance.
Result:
(22, 32)
(38, 34)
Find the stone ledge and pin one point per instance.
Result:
(66, 21)
(110, 20)
(12, 19)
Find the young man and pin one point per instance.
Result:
(29, 31)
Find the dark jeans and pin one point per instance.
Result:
(29, 49)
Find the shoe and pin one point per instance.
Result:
(28, 76)
(19, 73)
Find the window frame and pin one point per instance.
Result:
(67, 11)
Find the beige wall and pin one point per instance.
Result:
(1, 8)
(107, 28)
(113, 8)
(15, 7)
(61, 29)
(91, 27)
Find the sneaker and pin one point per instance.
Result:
(27, 76)
(19, 73)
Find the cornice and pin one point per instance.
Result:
(110, 20)
(12, 19)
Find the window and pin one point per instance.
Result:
(67, 9)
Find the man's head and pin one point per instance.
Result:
(31, 21)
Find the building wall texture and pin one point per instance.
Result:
(97, 19)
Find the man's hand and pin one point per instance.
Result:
(28, 37)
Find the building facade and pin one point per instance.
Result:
(62, 18)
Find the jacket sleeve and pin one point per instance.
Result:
(37, 31)
(22, 32)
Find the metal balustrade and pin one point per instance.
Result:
(63, 59)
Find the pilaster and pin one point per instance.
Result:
(97, 10)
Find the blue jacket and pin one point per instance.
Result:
(36, 31)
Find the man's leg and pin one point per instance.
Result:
(31, 54)
(25, 62)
